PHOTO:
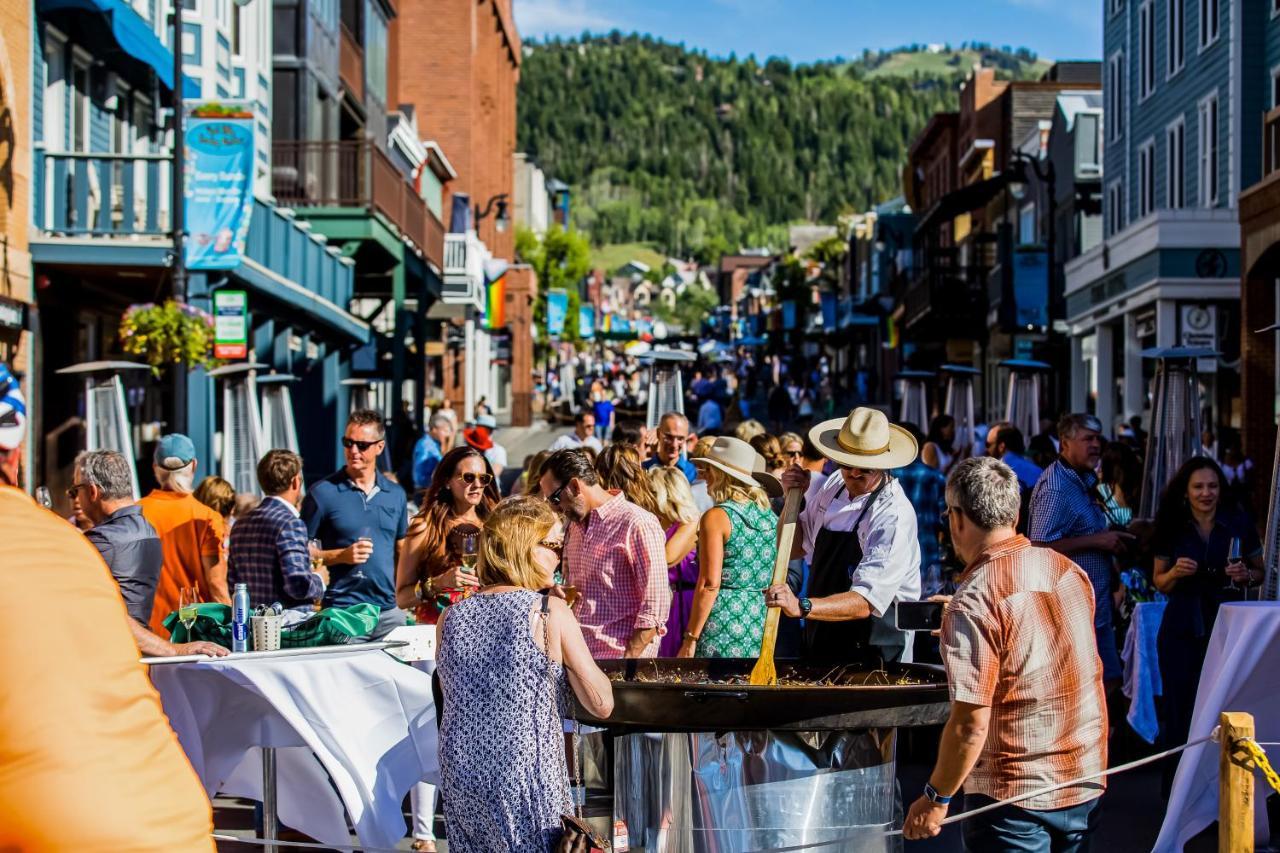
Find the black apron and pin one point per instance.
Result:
(871, 641)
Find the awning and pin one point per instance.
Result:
(963, 200)
(133, 34)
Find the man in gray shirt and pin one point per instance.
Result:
(129, 545)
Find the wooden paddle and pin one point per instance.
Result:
(764, 672)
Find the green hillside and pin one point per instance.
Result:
(698, 156)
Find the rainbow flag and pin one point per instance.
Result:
(496, 304)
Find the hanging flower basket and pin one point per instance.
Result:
(173, 333)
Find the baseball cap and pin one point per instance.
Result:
(174, 451)
(486, 421)
(13, 410)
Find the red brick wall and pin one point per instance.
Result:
(522, 289)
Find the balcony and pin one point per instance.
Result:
(351, 65)
(464, 257)
(359, 175)
(93, 194)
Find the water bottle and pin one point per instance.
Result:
(240, 618)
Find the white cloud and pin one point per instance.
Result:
(559, 17)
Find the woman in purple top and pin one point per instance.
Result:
(679, 517)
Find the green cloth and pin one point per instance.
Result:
(333, 626)
(735, 626)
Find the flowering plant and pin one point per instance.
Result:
(172, 333)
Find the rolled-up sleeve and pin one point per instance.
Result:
(971, 656)
(649, 550)
(890, 563)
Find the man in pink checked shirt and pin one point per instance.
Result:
(615, 554)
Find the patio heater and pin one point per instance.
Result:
(959, 401)
(1022, 402)
(278, 428)
(242, 436)
(915, 407)
(1174, 433)
(666, 386)
(106, 418)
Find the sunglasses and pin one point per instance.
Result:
(362, 446)
(554, 497)
(470, 479)
(794, 453)
(71, 492)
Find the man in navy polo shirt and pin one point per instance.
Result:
(359, 516)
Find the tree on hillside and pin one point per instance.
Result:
(561, 260)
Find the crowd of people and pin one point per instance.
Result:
(662, 542)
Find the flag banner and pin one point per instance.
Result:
(557, 309)
(586, 322)
(496, 304)
(218, 184)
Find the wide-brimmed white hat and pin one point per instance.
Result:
(865, 439)
(740, 461)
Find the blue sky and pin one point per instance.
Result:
(807, 30)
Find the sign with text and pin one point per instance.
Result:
(218, 184)
(1199, 330)
(230, 324)
(557, 309)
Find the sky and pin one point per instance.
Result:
(809, 30)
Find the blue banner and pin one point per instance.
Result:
(830, 308)
(218, 184)
(586, 322)
(1031, 288)
(788, 315)
(557, 309)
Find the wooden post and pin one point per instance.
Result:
(1235, 785)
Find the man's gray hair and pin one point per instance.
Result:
(1072, 423)
(181, 481)
(986, 491)
(440, 420)
(109, 471)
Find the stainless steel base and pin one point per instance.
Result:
(756, 791)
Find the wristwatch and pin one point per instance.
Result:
(932, 795)
(805, 606)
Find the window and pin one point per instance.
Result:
(1146, 178)
(1176, 164)
(80, 104)
(55, 92)
(1114, 217)
(1176, 49)
(1208, 148)
(1115, 95)
(1275, 84)
(1209, 21)
(1146, 49)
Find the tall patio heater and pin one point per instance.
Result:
(666, 387)
(242, 436)
(1022, 401)
(1174, 433)
(106, 418)
(1270, 555)
(915, 408)
(959, 401)
(278, 428)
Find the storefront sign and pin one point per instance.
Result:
(218, 188)
(1199, 329)
(13, 315)
(557, 308)
(586, 322)
(230, 324)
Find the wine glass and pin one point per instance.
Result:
(314, 548)
(1233, 557)
(188, 598)
(470, 556)
(44, 498)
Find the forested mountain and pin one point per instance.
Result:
(702, 155)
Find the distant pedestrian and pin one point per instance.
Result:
(710, 416)
(480, 437)
(583, 435)
(434, 444)
(602, 406)
(218, 495)
(937, 451)
(673, 438)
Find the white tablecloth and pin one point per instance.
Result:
(1241, 673)
(361, 719)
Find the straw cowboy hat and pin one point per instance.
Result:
(865, 439)
(740, 461)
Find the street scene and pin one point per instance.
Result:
(707, 427)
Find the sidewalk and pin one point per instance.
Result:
(521, 442)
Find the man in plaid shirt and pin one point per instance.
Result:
(269, 544)
(614, 555)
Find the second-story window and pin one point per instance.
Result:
(1114, 215)
(1147, 178)
(1176, 163)
(1176, 50)
(1209, 19)
(1208, 151)
(1115, 95)
(1147, 49)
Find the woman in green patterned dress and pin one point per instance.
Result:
(737, 543)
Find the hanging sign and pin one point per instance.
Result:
(557, 308)
(1200, 331)
(217, 183)
(586, 322)
(230, 324)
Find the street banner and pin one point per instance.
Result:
(557, 309)
(789, 315)
(1031, 288)
(218, 183)
(586, 322)
(830, 309)
(230, 324)
(496, 303)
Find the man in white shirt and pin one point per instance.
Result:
(859, 535)
(583, 435)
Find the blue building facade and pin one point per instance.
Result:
(1181, 97)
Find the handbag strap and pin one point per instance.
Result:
(556, 695)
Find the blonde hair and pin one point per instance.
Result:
(702, 447)
(217, 494)
(789, 438)
(511, 532)
(181, 481)
(748, 430)
(771, 449)
(674, 497)
(725, 489)
(619, 468)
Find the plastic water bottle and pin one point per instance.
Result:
(240, 618)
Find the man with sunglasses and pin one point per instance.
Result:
(673, 440)
(360, 518)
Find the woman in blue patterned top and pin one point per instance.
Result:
(737, 545)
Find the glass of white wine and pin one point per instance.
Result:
(187, 610)
(470, 556)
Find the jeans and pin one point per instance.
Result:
(1013, 829)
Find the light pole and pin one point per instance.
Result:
(1049, 177)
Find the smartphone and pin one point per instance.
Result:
(918, 615)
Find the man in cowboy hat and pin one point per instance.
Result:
(859, 535)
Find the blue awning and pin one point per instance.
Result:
(133, 34)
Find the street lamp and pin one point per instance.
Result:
(503, 218)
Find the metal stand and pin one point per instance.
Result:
(270, 825)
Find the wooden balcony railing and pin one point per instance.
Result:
(1271, 142)
(354, 174)
(351, 64)
(98, 194)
